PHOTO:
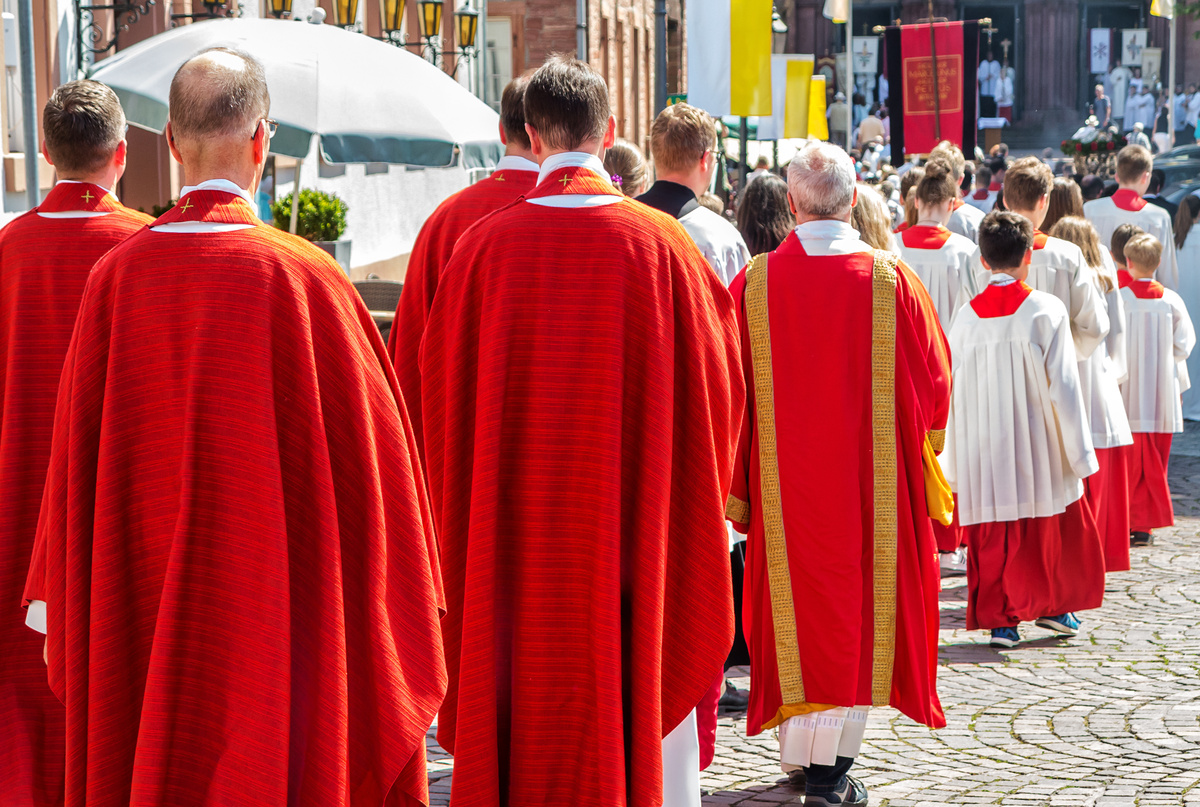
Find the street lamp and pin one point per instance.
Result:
(281, 8)
(467, 21)
(391, 17)
(431, 18)
(345, 13)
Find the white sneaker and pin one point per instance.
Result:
(954, 564)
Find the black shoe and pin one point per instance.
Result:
(796, 779)
(854, 794)
(734, 699)
(1141, 539)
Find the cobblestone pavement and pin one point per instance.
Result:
(1108, 718)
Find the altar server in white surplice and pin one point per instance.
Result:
(1100, 376)
(1187, 242)
(964, 219)
(1018, 447)
(1058, 266)
(1127, 206)
(939, 257)
(1160, 339)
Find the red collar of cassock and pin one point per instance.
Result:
(994, 187)
(1128, 200)
(925, 237)
(214, 207)
(957, 204)
(573, 180)
(1040, 239)
(507, 174)
(1148, 289)
(1123, 278)
(903, 226)
(1000, 301)
(981, 193)
(78, 196)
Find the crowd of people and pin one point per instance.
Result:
(260, 551)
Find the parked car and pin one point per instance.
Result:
(1186, 152)
(1179, 171)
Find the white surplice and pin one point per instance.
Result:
(942, 271)
(1017, 440)
(965, 221)
(1059, 268)
(1106, 217)
(718, 241)
(1189, 291)
(985, 204)
(1101, 374)
(1160, 338)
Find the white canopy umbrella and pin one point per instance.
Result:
(364, 100)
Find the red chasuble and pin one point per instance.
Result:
(806, 464)
(235, 547)
(581, 391)
(430, 253)
(44, 264)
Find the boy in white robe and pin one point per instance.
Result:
(1160, 337)
(1017, 447)
(1127, 206)
(1058, 266)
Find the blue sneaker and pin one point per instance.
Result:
(1005, 637)
(1066, 624)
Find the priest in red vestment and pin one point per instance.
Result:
(581, 391)
(235, 553)
(842, 577)
(45, 258)
(515, 175)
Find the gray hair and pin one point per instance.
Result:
(219, 92)
(821, 180)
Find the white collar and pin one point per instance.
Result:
(826, 230)
(218, 185)
(1001, 279)
(80, 182)
(511, 162)
(571, 159)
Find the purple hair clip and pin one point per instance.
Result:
(616, 180)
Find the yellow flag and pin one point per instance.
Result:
(750, 54)
(1163, 8)
(818, 126)
(799, 86)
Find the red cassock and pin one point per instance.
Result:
(44, 264)
(235, 548)
(806, 464)
(1107, 493)
(430, 254)
(581, 390)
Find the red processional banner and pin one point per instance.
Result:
(933, 109)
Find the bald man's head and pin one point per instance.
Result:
(218, 93)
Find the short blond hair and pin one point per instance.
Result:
(680, 136)
(1144, 252)
(953, 155)
(1133, 162)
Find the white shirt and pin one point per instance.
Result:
(1189, 292)
(965, 221)
(208, 226)
(989, 72)
(1004, 90)
(1017, 440)
(1106, 217)
(1193, 110)
(574, 159)
(1161, 337)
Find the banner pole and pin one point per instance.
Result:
(850, 71)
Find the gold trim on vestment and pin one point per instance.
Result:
(737, 510)
(883, 421)
(783, 611)
(937, 439)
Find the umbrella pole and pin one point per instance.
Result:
(296, 197)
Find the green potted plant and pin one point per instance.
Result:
(321, 219)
